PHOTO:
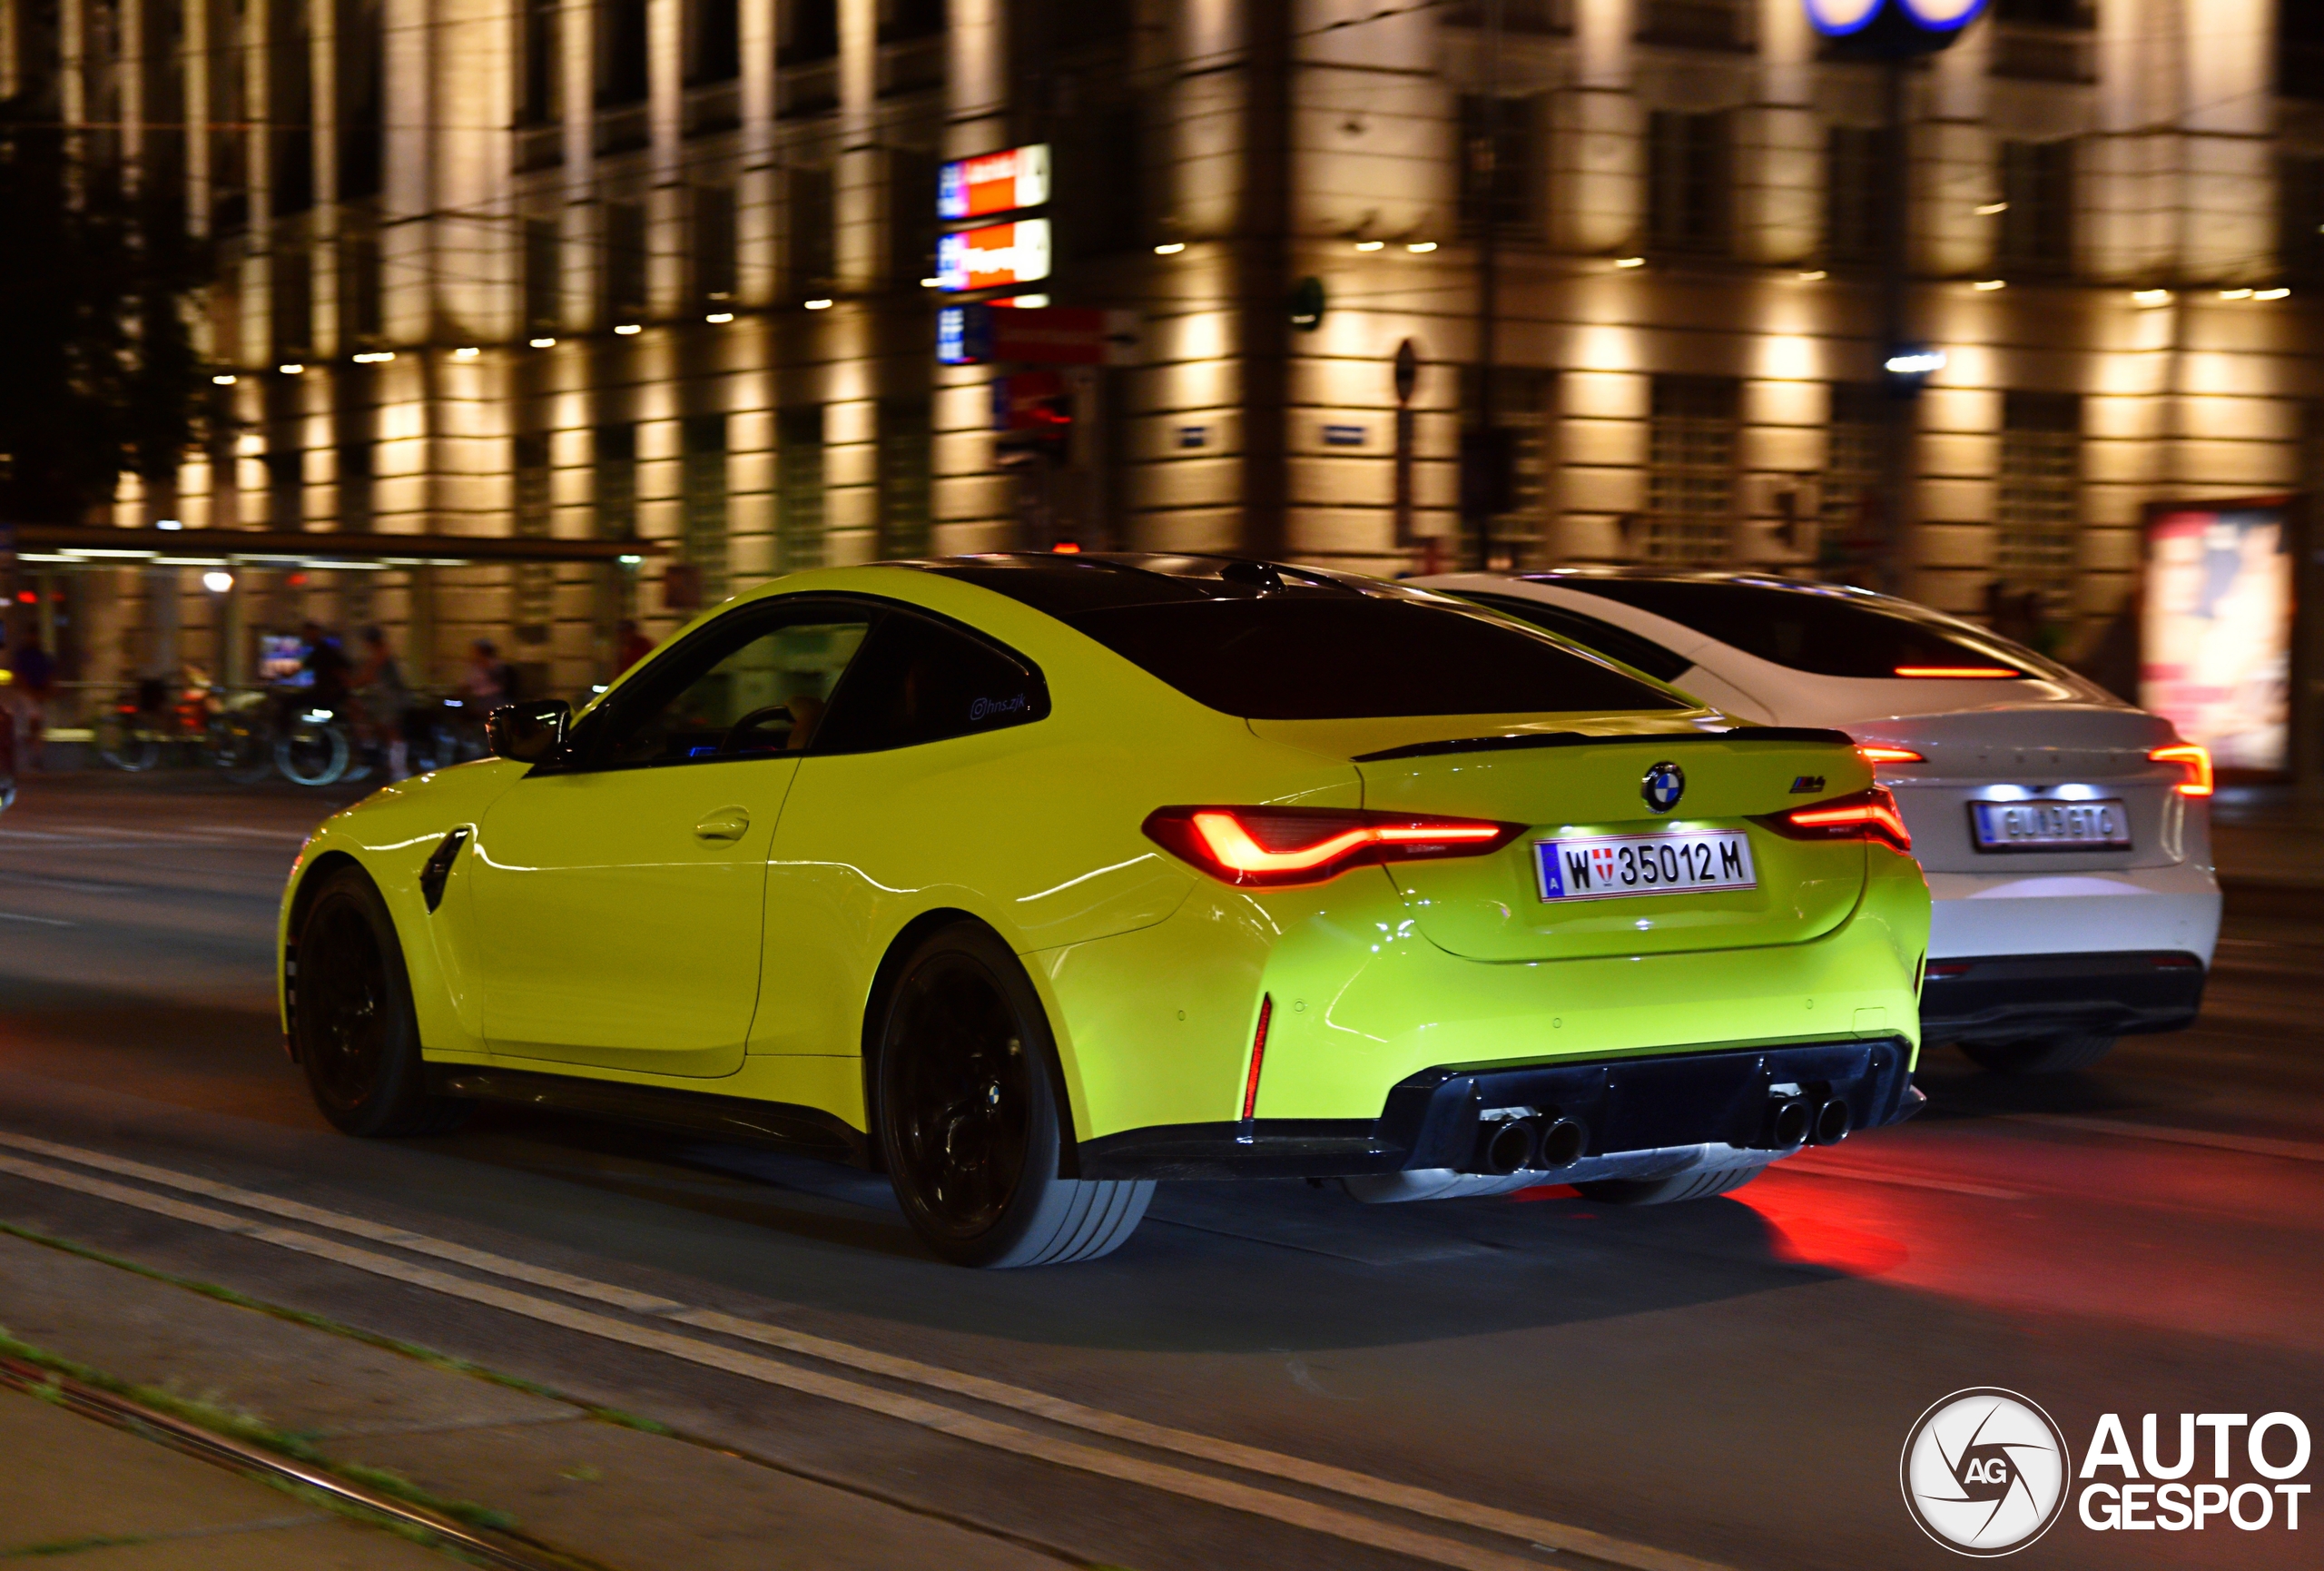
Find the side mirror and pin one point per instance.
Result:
(528, 733)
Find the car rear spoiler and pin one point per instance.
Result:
(1794, 734)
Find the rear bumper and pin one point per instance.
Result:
(2001, 997)
(1641, 1114)
(2027, 911)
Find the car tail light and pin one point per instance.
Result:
(2195, 758)
(1959, 673)
(1880, 753)
(1869, 814)
(1272, 847)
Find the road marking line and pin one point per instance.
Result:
(1798, 1169)
(2248, 1144)
(44, 921)
(947, 1420)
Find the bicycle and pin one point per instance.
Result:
(136, 731)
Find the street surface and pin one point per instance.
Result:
(1730, 1380)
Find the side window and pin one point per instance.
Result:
(754, 683)
(920, 681)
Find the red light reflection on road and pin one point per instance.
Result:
(1802, 1231)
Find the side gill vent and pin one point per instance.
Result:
(440, 868)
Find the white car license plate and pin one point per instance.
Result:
(1607, 866)
(2050, 825)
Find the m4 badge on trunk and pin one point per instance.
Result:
(1663, 785)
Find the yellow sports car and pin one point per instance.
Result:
(1032, 880)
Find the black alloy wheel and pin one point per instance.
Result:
(354, 1026)
(967, 1113)
(959, 1093)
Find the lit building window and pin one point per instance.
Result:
(2301, 193)
(1687, 182)
(2037, 509)
(1691, 468)
(1855, 205)
(2037, 220)
(1852, 469)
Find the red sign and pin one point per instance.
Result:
(1051, 335)
(1002, 181)
(994, 256)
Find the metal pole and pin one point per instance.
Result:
(1896, 456)
(1486, 159)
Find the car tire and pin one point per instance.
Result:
(353, 1025)
(2040, 1054)
(967, 1113)
(1694, 1184)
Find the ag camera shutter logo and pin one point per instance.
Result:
(1986, 1472)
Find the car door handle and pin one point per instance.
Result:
(725, 824)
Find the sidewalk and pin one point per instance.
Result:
(594, 1486)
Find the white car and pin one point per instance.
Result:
(2065, 834)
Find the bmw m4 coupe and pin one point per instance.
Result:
(2066, 835)
(1033, 880)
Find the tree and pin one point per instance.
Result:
(98, 290)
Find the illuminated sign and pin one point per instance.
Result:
(1044, 335)
(1938, 21)
(1003, 182)
(2216, 634)
(995, 256)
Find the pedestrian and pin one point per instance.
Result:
(327, 668)
(630, 646)
(491, 680)
(380, 689)
(32, 678)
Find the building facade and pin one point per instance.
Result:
(661, 269)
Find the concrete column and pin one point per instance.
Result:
(1375, 154)
(856, 249)
(72, 61)
(976, 103)
(2230, 200)
(1951, 151)
(577, 222)
(1600, 155)
(666, 206)
(198, 60)
(2128, 168)
(408, 82)
(758, 191)
(1780, 161)
(129, 70)
(969, 498)
(322, 35)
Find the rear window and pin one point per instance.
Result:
(1826, 634)
(1342, 656)
(1640, 653)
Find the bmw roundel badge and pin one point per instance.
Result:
(1663, 785)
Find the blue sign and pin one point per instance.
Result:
(964, 335)
(1893, 27)
(1194, 436)
(1344, 436)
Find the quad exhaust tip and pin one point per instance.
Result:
(1832, 1121)
(1790, 1121)
(1513, 1144)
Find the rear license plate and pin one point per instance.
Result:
(1607, 866)
(2050, 825)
